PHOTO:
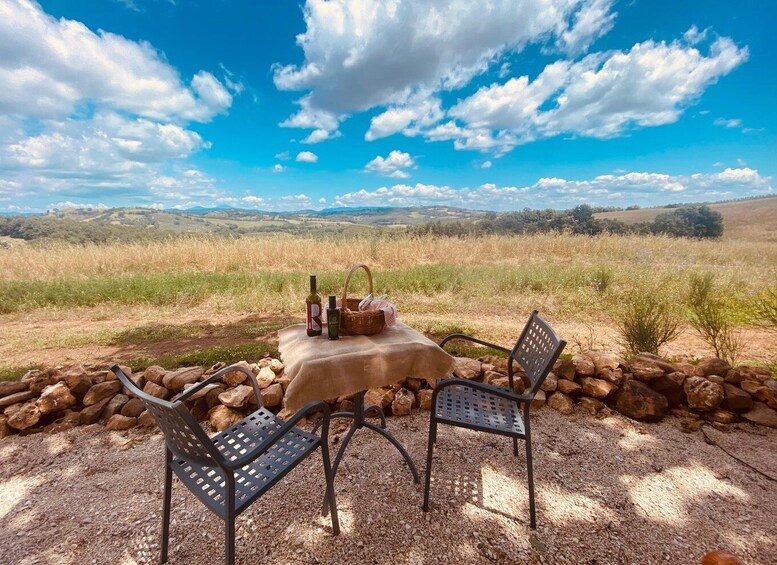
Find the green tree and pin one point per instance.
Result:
(690, 221)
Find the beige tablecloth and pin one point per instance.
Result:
(321, 369)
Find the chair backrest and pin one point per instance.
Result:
(183, 435)
(537, 350)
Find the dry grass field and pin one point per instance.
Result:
(196, 300)
(751, 220)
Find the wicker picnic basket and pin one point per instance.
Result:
(354, 322)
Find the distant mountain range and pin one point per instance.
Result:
(225, 221)
(750, 218)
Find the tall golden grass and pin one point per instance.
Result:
(283, 253)
(62, 295)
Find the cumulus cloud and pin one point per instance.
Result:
(306, 157)
(134, 131)
(107, 142)
(409, 117)
(49, 66)
(394, 166)
(361, 55)
(400, 56)
(319, 135)
(601, 95)
(622, 189)
(486, 165)
(278, 168)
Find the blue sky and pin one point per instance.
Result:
(288, 105)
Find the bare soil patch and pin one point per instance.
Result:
(45, 338)
(609, 491)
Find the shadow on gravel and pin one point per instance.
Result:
(609, 491)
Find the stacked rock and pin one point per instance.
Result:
(644, 388)
(57, 399)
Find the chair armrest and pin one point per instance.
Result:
(474, 340)
(217, 375)
(493, 389)
(315, 406)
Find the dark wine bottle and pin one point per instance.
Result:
(333, 318)
(313, 309)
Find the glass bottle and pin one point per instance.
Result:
(313, 309)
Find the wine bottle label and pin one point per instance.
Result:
(314, 317)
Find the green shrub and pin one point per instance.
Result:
(601, 279)
(766, 308)
(710, 318)
(647, 322)
(689, 221)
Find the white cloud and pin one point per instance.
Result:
(130, 5)
(394, 166)
(628, 188)
(361, 55)
(253, 199)
(309, 117)
(601, 95)
(307, 157)
(718, 164)
(486, 165)
(694, 36)
(319, 135)
(75, 206)
(85, 113)
(106, 144)
(592, 21)
(232, 82)
(283, 156)
(295, 201)
(728, 123)
(278, 168)
(49, 66)
(409, 116)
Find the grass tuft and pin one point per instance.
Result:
(251, 352)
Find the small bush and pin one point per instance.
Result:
(766, 309)
(710, 318)
(588, 341)
(647, 322)
(602, 278)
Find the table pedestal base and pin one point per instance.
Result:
(359, 411)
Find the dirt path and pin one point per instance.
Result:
(609, 492)
(97, 335)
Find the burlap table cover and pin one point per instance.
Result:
(321, 369)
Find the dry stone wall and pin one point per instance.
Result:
(645, 388)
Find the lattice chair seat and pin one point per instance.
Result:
(207, 482)
(478, 409)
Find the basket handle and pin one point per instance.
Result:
(354, 268)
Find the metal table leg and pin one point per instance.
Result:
(357, 415)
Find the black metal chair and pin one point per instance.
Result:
(236, 466)
(493, 409)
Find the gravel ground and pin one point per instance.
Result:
(608, 491)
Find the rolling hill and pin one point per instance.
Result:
(751, 219)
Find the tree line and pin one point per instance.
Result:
(695, 221)
(47, 228)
